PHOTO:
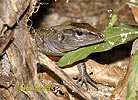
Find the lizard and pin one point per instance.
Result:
(60, 39)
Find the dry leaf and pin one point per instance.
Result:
(134, 10)
(105, 74)
(109, 75)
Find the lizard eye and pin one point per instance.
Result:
(60, 37)
(79, 33)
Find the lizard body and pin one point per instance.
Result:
(60, 39)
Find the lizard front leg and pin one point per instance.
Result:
(84, 77)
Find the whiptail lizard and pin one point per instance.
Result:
(60, 39)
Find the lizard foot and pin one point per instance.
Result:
(84, 77)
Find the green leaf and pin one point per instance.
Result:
(112, 21)
(114, 36)
(131, 87)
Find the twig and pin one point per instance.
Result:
(67, 80)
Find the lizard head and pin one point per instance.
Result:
(71, 36)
